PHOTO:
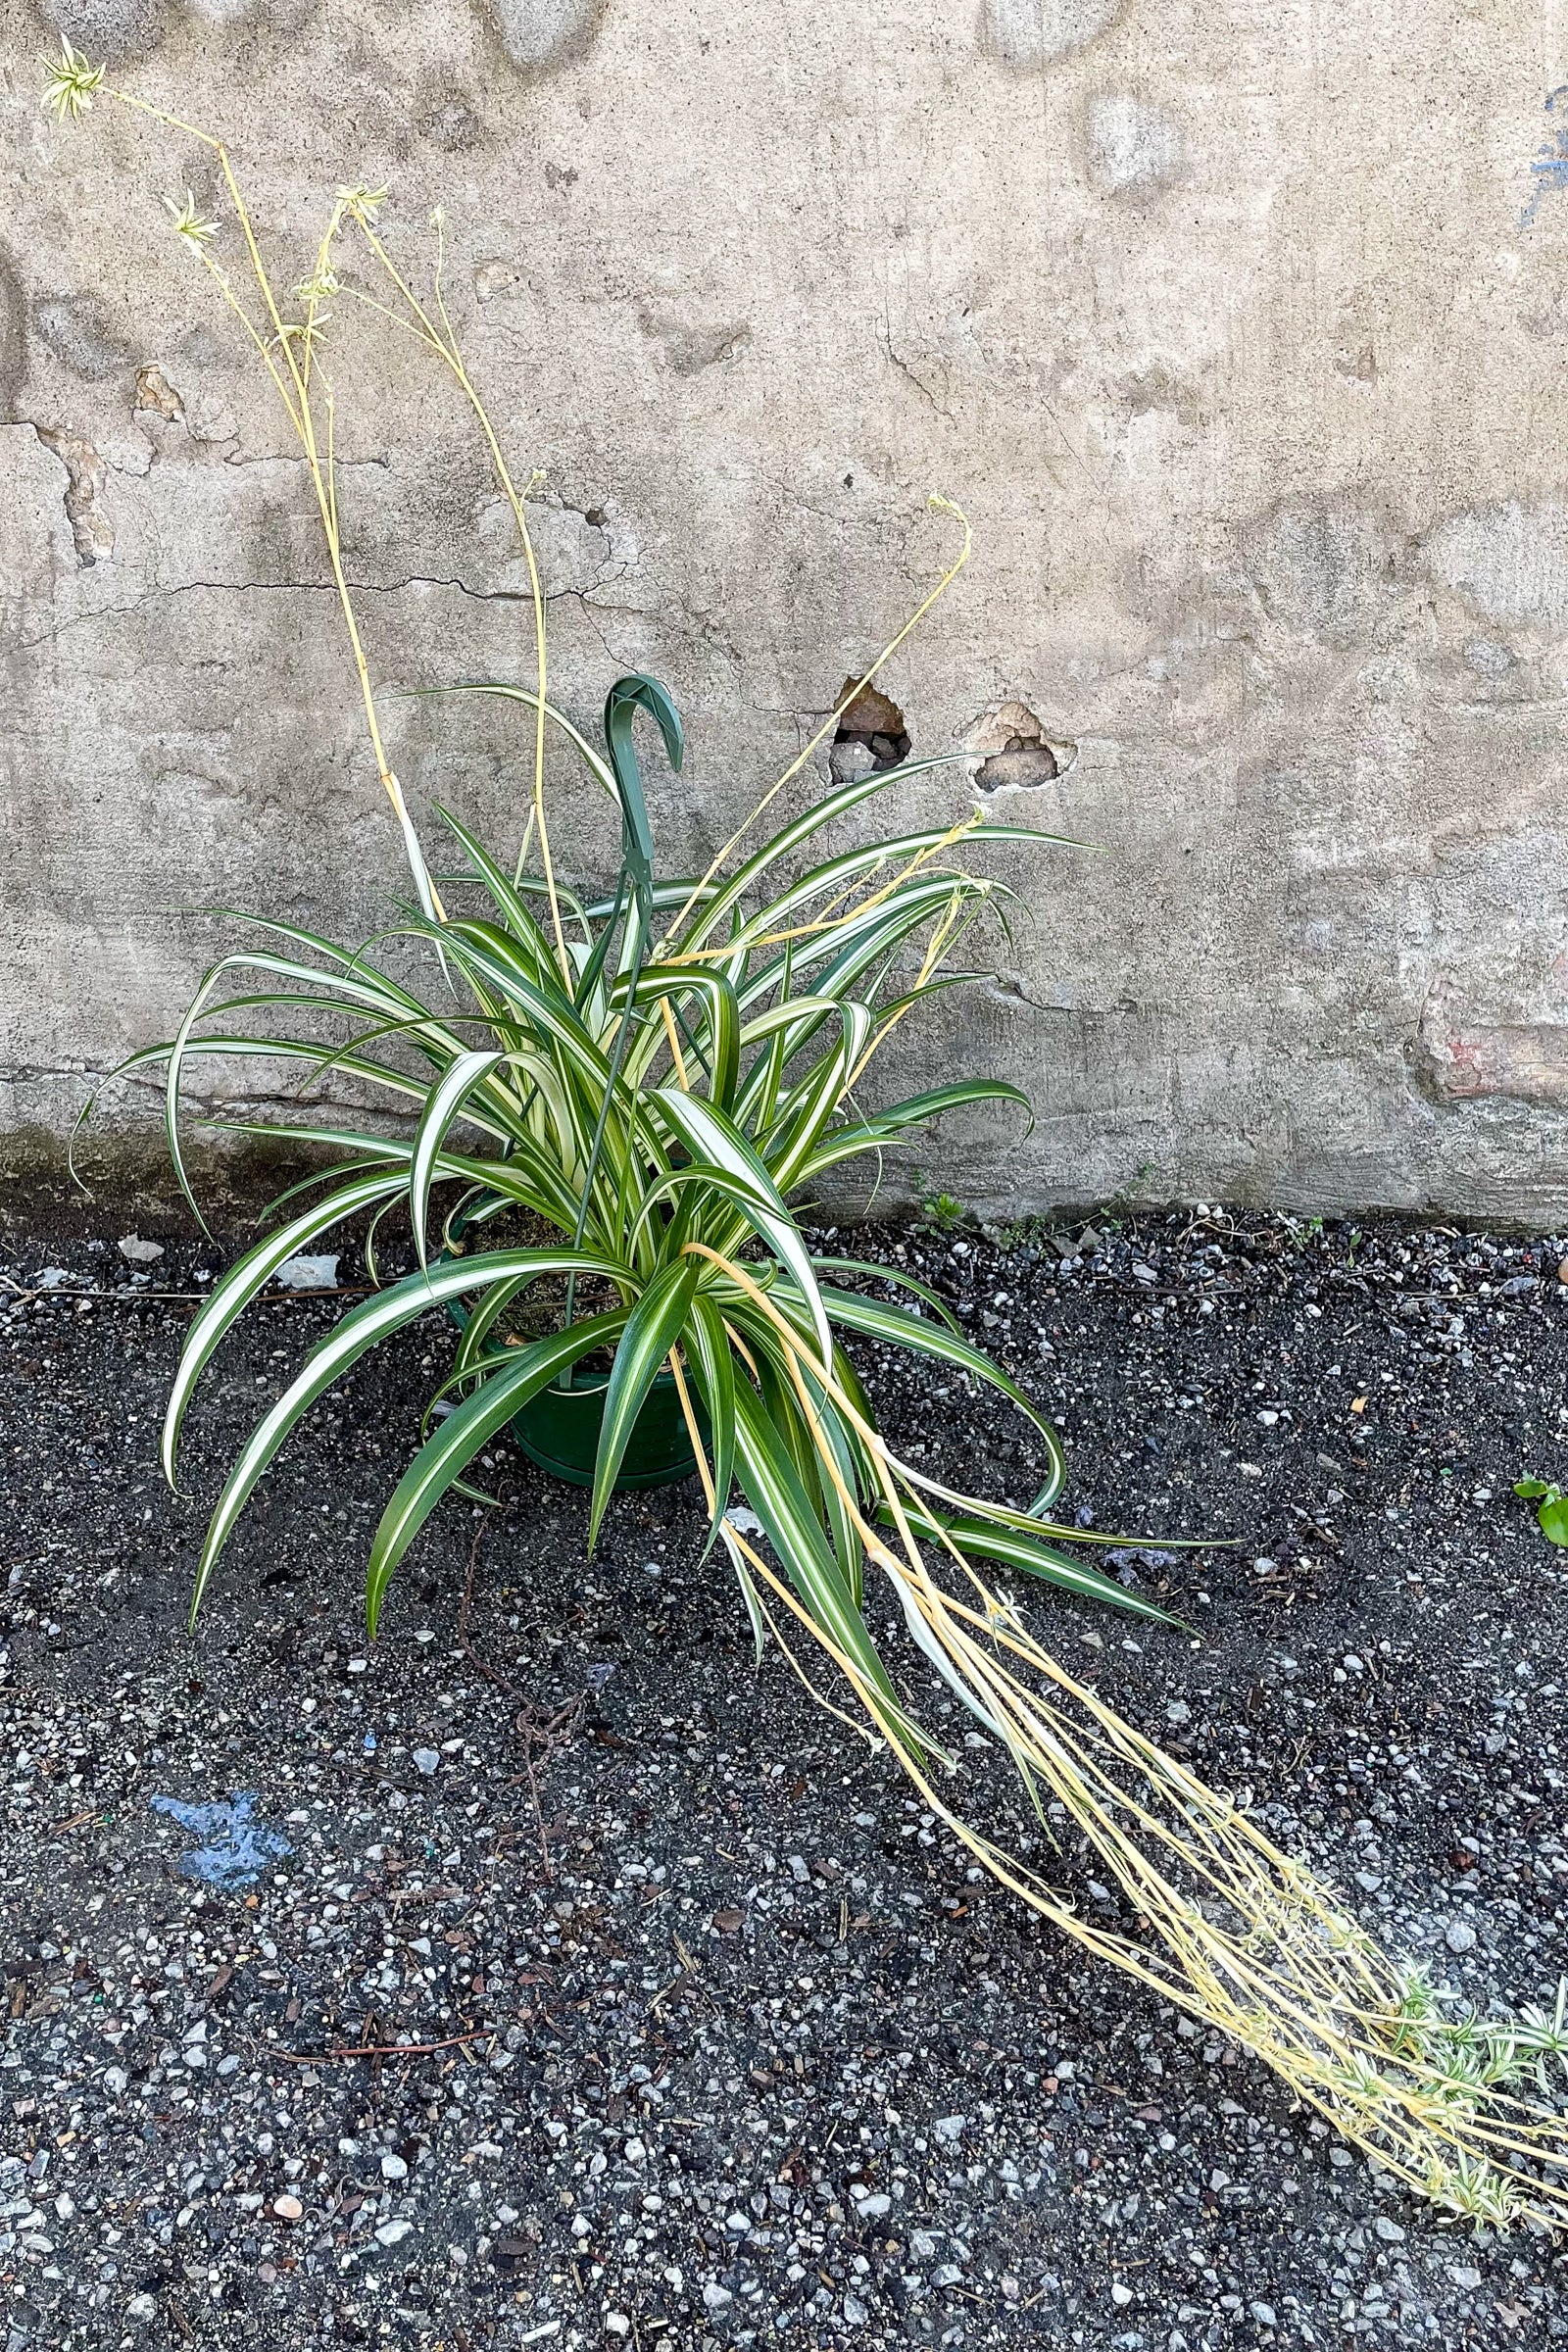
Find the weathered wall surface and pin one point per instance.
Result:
(1239, 330)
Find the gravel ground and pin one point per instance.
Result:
(723, 2042)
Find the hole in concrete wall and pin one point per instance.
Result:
(1014, 753)
(90, 527)
(156, 396)
(871, 733)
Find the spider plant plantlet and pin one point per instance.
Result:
(645, 1080)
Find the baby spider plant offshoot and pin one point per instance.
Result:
(595, 1109)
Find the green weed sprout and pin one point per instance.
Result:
(1551, 1508)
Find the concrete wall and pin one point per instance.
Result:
(1238, 328)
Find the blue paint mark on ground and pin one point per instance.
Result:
(1550, 166)
(236, 1849)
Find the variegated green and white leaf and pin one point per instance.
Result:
(442, 1458)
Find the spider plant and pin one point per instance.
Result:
(653, 1076)
(653, 1089)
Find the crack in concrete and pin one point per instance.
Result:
(906, 369)
(1009, 988)
(122, 612)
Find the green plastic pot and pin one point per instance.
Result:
(559, 1428)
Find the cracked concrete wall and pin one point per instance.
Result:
(1240, 340)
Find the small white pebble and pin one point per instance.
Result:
(308, 1273)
